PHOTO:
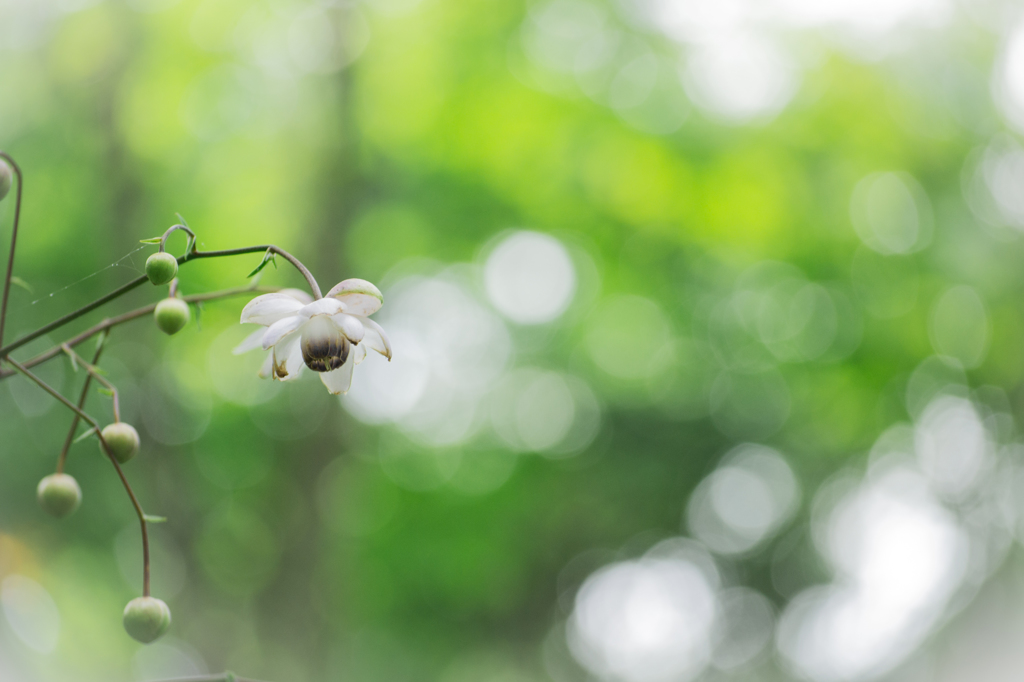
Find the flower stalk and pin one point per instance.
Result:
(94, 372)
(144, 311)
(113, 460)
(63, 457)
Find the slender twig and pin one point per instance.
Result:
(310, 280)
(14, 241)
(129, 316)
(63, 457)
(95, 373)
(113, 460)
(220, 677)
(124, 289)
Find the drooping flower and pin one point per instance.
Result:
(255, 340)
(330, 336)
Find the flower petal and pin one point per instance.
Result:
(288, 362)
(268, 367)
(325, 306)
(280, 329)
(251, 342)
(299, 295)
(339, 380)
(359, 353)
(375, 337)
(269, 308)
(359, 296)
(350, 326)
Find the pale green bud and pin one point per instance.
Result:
(59, 495)
(122, 439)
(161, 267)
(146, 619)
(171, 315)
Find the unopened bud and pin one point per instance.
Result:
(122, 440)
(146, 619)
(171, 315)
(161, 267)
(59, 495)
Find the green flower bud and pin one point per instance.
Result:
(122, 439)
(161, 267)
(59, 495)
(171, 315)
(6, 178)
(146, 619)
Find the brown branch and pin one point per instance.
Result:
(129, 316)
(220, 677)
(95, 373)
(138, 281)
(113, 460)
(63, 457)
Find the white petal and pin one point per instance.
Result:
(325, 306)
(268, 367)
(359, 353)
(359, 296)
(350, 326)
(298, 294)
(280, 329)
(339, 380)
(269, 308)
(251, 342)
(375, 337)
(288, 362)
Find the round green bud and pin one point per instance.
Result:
(161, 267)
(122, 439)
(6, 178)
(59, 495)
(146, 619)
(171, 315)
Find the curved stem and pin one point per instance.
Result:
(170, 230)
(221, 677)
(113, 460)
(14, 242)
(63, 457)
(128, 317)
(310, 280)
(124, 289)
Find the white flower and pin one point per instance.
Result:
(255, 340)
(330, 336)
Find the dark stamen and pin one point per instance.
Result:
(325, 353)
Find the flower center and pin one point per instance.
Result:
(324, 347)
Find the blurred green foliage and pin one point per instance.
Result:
(303, 544)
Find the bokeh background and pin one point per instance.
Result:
(707, 322)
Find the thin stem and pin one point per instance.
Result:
(81, 404)
(170, 230)
(220, 677)
(129, 316)
(97, 375)
(61, 321)
(173, 289)
(124, 289)
(14, 242)
(113, 460)
(310, 280)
